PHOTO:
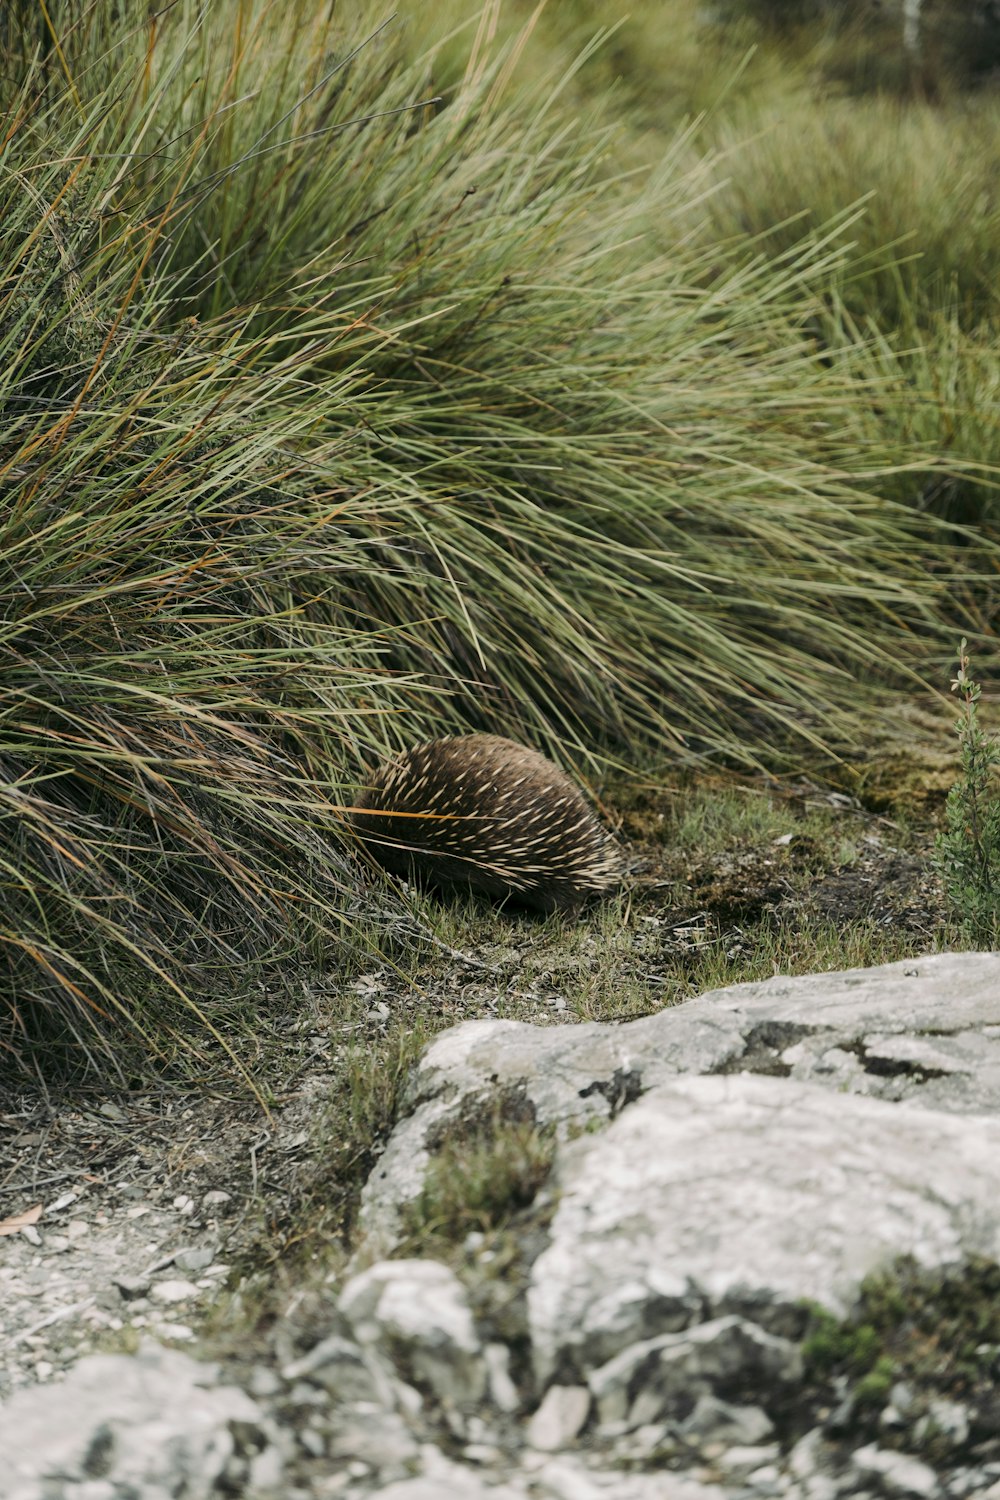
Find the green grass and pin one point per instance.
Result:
(481, 1177)
(336, 413)
(927, 240)
(934, 1332)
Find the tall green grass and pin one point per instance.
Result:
(337, 412)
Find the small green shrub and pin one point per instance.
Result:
(968, 852)
(937, 1332)
(484, 1172)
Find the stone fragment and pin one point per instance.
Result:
(265, 1471)
(715, 1421)
(502, 1390)
(376, 1437)
(896, 1474)
(344, 1369)
(560, 1418)
(194, 1258)
(418, 1311)
(943, 1419)
(178, 1332)
(173, 1290)
(150, 1424)
(666, 1373)
(741, 1459)
(132, 1286)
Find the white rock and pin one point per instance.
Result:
(743, 1458)
(194, 1258)
(411, 1299)
(419, 1308)
(659, 1375)
(502, 1390)
(560, 1418)
(949, 1418)
(173, 1291)
(897, 1474)
(941, 1014)
(161, 1423)
(178, 1333)
(718, 1421)
(347, 1371)
(758, 1193)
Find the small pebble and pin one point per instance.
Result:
(179, 1332)
(263, 1382)
(482, 1453)
(77, 1228)
(132, 1286)
(215, 1198)
(195, 1258)
(173, 1291)
(312, 1443)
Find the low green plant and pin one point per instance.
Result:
(935, 1332)
(484, 1172)
(967, 853)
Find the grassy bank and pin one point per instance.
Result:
(343, 405)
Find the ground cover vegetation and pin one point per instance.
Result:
(360, 383)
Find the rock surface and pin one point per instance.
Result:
(155, 1424)
(925, 1030)
(636, 1333)
(751, 1195)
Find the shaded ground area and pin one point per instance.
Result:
(135, 1212)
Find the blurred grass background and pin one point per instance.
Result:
(626, 385)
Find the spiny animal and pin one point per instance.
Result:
(478, 810)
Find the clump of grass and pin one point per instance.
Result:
(487, 1170)
(927, 240)
(968, 851)
(336, 414)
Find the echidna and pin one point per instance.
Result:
(481, 811)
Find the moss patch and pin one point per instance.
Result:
(916, 1338)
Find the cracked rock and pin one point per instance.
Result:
(418, 1312)
(758, 1194)
(152, 1424)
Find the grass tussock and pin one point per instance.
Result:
(339, 409)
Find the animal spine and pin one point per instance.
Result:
(482, 811)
